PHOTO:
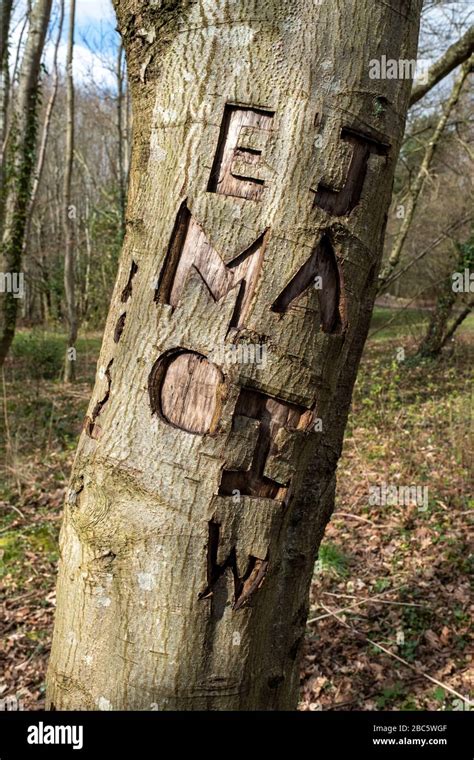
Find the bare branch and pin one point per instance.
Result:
(456, 54)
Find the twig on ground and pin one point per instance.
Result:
(396, 656)
(363, 519)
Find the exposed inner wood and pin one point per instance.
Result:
(127, 291)
(322, 263)
(342, 202)
(251, 584)
(120, 324)
(90, 426)
(237, 164)
(185, 389)
(245, 586)
(189, 248)
(272, 414)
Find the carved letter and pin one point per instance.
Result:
(268, 471)
(238, 169)
(189, 247)
(321, 268)
(185, 390)
(92, 429)
(343, 202)
(244, 585)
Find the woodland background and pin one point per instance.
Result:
(389, 626)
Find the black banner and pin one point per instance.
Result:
(97, 734)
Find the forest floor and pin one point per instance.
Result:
(390, 605)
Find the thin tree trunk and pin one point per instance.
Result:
(69, 213)
(438, 332)
(46, 124)
(19, 162)
(447, 233)
(87, 276)
(13, 74)
(205, 475)
(433, 341)
(423, 173)
(457, 323)
(5, 20)
(121, 133)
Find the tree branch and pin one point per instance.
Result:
(456, 54)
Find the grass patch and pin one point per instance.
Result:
(331, 559)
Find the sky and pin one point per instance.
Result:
(94, 11)
(95, 39)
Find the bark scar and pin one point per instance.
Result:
(93, 430)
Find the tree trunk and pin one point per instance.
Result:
(43, 144)
(18, 167)
(263, 159)
(5, 20)
(69, 213)
(457, 322)
(121, 138)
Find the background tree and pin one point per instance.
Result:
(69, 211)
(451, 292)
(5, 20)
(416, 186)
(18, 158)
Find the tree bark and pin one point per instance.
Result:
(18, 166)
(457, 322)
(69, 213)
(262, 166)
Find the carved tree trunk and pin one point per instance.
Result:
(263, 158)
